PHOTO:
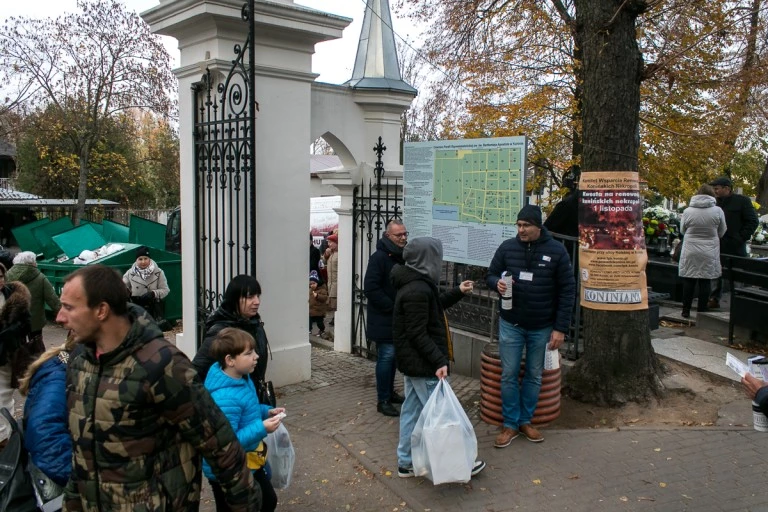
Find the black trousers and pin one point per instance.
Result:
(689, 284)
(319, 320)
(268, 495)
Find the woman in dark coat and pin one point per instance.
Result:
(15, 302)
(240, 309)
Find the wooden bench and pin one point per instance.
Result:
(748, 283)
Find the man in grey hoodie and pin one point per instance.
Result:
(422, 339)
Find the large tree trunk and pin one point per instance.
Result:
(82, 186)
(618, 364)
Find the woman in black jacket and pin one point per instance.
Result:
(240, 309)
(422, 340)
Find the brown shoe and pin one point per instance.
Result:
(713, 304)
(505, 437)
(531, 433)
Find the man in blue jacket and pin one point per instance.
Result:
(380, 293)
(543, 294)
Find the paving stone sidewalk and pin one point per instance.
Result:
(696, 469)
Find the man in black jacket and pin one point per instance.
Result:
(380, 293)
(740, 221)
(543, 294)
(422, 339)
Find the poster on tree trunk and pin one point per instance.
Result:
(612, 251)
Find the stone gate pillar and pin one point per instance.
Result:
(286, 35)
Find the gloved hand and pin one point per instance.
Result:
(147, 297)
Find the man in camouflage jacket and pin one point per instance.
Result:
(139, 417)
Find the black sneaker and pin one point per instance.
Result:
(405, 472)
(396, 399)
(477, 468)
(387, 409)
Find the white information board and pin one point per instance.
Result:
(467, 193)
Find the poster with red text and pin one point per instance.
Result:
(612, 251)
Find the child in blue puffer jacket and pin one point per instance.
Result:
(235, 353)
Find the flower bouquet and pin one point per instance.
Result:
(661, 227)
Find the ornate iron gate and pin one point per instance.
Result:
(225, 229)
(374, 204)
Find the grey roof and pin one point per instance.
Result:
(13, 194)
(376, 65)
(6, 148)
(322, 162)
(35, 201)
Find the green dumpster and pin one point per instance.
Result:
(71, 243)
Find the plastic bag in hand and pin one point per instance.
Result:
(443, 443)
(280, 457)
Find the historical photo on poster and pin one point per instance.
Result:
(611, 242)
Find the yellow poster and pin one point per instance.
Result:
(612, 251)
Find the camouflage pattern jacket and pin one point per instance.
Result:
(140, 419)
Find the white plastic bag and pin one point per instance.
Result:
(443, 443)
(280, 457)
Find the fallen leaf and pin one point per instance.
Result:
(633, 420)
(657, 449)
(624, 498)
(362, 452)
(662, 484)
(574, 477)
(388, 473)
(307, 492)
(644, 498)
(324, 481)
(686, 496)
(537, 482)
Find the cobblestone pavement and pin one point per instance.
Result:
(705, 469)
(346, 459)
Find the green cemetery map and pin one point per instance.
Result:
(484, 184)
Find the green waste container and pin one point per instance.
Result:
(74, 241)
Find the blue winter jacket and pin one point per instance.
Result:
(238, 401)
(545, 300)
(380, 291)
(46, 436)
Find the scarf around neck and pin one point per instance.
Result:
(144, 273)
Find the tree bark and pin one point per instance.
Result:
(618, 364)
(82, 186)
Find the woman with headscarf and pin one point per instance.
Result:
(146, 282)
(702, 226)
(41, 290)
(240, 309)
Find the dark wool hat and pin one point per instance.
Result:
(314, 277)
(142, 251)
(722, 181)
(530, 213)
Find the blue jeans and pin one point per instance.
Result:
(519, 402)
(417, 392)
(386, 366)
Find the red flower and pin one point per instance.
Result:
(662, 226)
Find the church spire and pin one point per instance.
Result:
(376, 65)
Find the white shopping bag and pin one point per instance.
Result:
(443, 443)
(280, 457)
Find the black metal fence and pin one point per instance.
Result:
(225, 224)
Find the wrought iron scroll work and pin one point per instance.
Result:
(225, 198)
(374, 204)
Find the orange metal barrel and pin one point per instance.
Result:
(548, 407)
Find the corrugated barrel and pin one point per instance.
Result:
(548, 407)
